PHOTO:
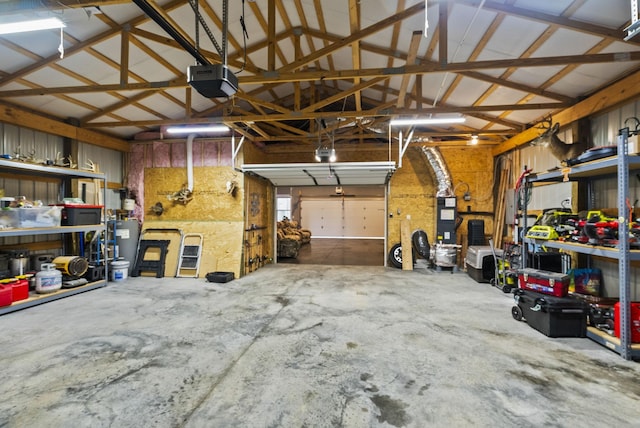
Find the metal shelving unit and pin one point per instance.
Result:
(26, 169)
(618, 166)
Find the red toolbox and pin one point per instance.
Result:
(542, 281)
(6, 294)
(634, 320)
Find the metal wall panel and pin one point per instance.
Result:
(109, 161)
(604, 128)
(14, 140)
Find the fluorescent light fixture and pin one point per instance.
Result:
(426, 121)
(197, 129)
(31, 25)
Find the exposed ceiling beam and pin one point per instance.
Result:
(547, 19)
(354, 89)
(615, 94)
(275, 77)
(443, 32)
(366, 32)
(477, 52)
(154, 86)
(373, 136)
(16, 6)
(72, 74)
(116, 106)
(391, 54)
(393, 46)
(278, 77)
(530, 51)
(354, 23)
(383, 110)
(24, 118)
(79, 47)
(416, 37)
(256, 101)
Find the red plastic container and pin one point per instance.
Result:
(542, 281)
(634, 320)
(20, 289)
(6, 295)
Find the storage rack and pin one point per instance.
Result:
(26, 169)
(618, 166)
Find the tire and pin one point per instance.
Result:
(516, 313)
(506, 288)
(420, 243)
(395, 256)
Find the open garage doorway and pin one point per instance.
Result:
(347, 223)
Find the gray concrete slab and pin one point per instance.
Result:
(303, 346)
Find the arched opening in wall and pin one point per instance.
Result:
(345, 224)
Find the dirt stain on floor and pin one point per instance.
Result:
(391, 411)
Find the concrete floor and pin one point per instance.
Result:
(303, 346)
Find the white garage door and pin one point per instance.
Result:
(344, 217)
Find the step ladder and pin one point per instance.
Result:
(190, 252)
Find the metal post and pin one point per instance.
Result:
(623, 244)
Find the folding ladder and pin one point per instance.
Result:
(190, 252)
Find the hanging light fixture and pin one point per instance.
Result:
(324, 153)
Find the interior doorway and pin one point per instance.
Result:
(347, 224)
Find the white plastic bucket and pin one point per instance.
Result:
(119, 270)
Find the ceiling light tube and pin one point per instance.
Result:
(197, 129)
(31, 25)
(426, 121)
